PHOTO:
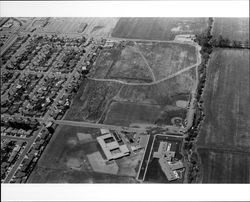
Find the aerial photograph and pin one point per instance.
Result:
(125, 100)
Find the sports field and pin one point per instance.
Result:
(157, 28)
(231, 28)
(227, 120)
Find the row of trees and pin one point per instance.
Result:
(226, 43)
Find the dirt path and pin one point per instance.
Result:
(146, 84)
(145, 60)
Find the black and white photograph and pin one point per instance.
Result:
(125, 100)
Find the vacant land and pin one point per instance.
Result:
(122, 63)
(227, 122)
(232, 28)
(166, 59)
(164, 93)
(151, 104)
(158, 28)
(91, 99)
(125, 113)
(154, 172)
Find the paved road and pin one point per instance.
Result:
(97, 125)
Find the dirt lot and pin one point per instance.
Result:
(227, 120)
(167, 58)
(232, 28)
(91, 99)
(122, 63)
(157, 28)
(124, 113)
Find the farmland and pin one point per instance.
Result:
(227, 122)
(157, 28)
(232, 28)
(88, 26)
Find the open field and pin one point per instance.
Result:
(157, 28)
(227, 120)
(47, 175)
(154, 104)
(174, 115)
(125, 113)
(94, 26)
(167, 58)
(91, 99)
(154, 172)
(122, 63)
(164, 93)
(232, 28)
(224, 167)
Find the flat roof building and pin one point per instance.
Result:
(111, 147)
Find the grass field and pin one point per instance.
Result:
(154, 172)
(157, 28)
(122, 63)
(167, 115)
(163, 93)
(124, 113)
(232, 28)
(91, 99)
(167, 58)
(227, 118)
(70, 158)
